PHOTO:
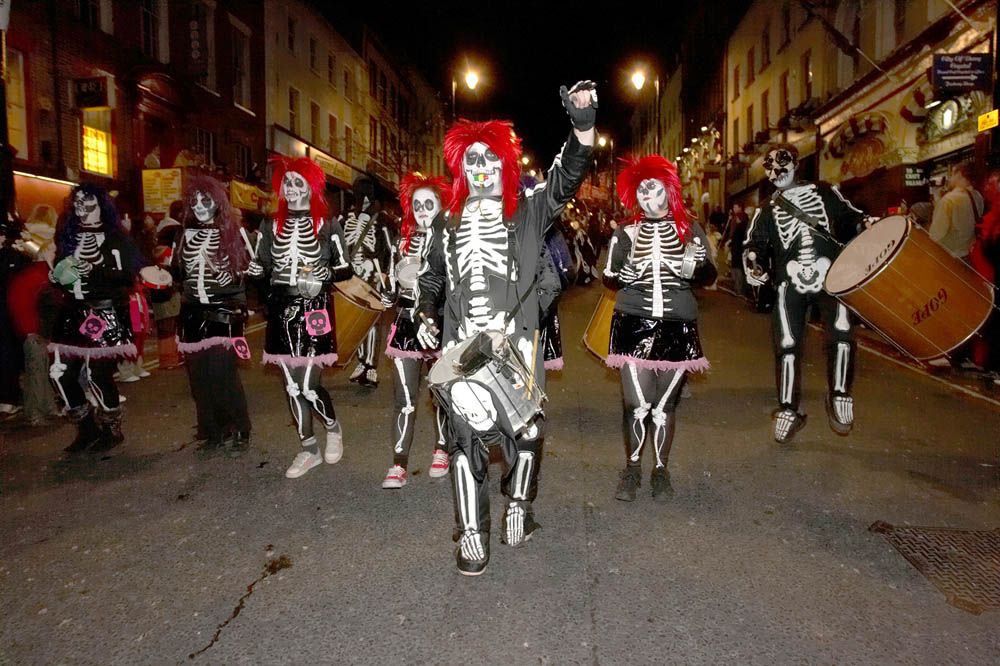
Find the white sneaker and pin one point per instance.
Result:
(439, 464)
(303, 462)
(8, 409)
(334, 450)
(140, 371)
(396, 477)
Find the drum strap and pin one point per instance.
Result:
(790, 208)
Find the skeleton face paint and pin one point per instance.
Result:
(780, 166)
(475, 404)
(295, 190)
(483, 169)
(204, 207)
(87, 209)
(652, 197)
(426, 206)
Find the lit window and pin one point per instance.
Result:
(97, 144)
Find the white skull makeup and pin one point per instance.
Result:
(426, 205)
(295, 190)
(87, 209)
(483, 169)
(475, 404)
(204, 207)
(780, 165)
(652, 197)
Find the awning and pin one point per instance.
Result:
(856, 126)
(916, 100)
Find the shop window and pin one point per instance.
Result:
(98, 148)
(17, 113)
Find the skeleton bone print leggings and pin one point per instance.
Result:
(649, 396)
(305, 396)
(407, 388)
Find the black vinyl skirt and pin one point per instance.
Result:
(659, 344)
(203, 326)
(287, 339)
(115, 341)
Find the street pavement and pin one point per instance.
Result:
(763, 557)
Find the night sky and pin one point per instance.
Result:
(530, 49)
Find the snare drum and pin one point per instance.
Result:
(500, 371)
(156, 278)
(406, 273)
(910, 289)
(597, 338)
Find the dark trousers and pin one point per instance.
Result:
(217, 389)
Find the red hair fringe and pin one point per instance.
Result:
(500, 137)
(407, 187)
(313, 174)
(662, 169)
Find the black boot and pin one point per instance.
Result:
(629, 483)
(211, 447)
(110, 424)
(659, 482)
(87, 432)
(238, 444)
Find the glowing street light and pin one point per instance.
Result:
(471, 79)
(639, 80)
(602, 141)
(704, 128)
(525, 160)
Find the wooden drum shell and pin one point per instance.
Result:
(598, 334)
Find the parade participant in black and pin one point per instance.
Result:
(801, 228)
(553, 278)
(370, 246)
(210, 259)
(302, 252)
(422, 199)
(654, 262)
(482, 262)
(96, 266)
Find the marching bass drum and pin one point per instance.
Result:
(597, 337)
(487, 361)
(910, 289)
(353, 317)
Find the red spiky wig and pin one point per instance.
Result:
(411, 183)
(500, 137)
(653, 166)
(317, 183)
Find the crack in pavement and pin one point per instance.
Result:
(273, 566)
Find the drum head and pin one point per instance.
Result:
(866, 255)
(155, 277)
(360, 293)
(406, 272)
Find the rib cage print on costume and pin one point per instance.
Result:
(481, 252)
(294, 246)
(805, 271)
(657, 252)
(205, 270)
(88, 248)
(418, 241)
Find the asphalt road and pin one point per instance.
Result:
(763, 557)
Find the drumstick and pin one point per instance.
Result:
(246, 239)
(534, 354)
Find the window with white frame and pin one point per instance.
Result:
(203, 143)
(96, 141)
(153, 24)
(17, 112)
(241, 64)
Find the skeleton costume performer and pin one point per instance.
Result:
(482, 261)
(302, 252)
(801, 229)
(422, 200)
(653, 262)
(210, 260)
(96, 267)
(370, 247)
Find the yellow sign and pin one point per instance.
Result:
(989, 120)
(160, 187)
(250, 197)
(332, 166)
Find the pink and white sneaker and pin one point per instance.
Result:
(396, 477)
(439, 464)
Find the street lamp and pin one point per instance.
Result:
(639, 80)
(525, 160)
(471, 78)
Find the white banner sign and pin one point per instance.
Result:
(4, 14)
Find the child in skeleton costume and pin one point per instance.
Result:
(653, 262)
(483, 262)
(422, 198)
(96, 267)
(802, 227)
(302, 251)
(370, 247)
(210, 260)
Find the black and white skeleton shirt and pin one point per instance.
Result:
(655, 290)
(802, 252)
(205, 272)
(283, 254)
(370, 255)
(112, 262)
(481, 263)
